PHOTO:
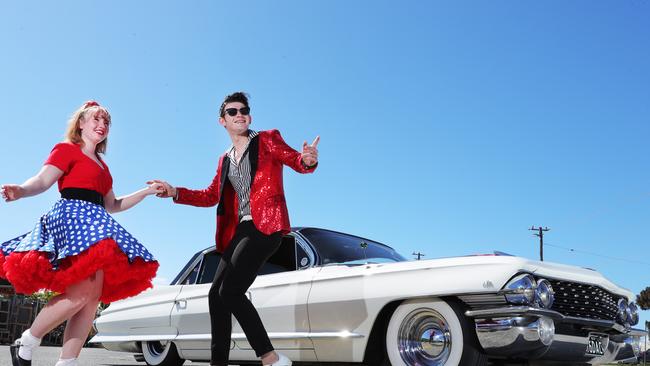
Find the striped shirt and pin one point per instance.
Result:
(239, 175)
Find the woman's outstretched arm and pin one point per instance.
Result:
(33, 186)
(113, 204)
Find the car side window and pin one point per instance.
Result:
(185, 273)
(191, 277)
(209, 267)
(283, 260)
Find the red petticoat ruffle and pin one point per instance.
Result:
(31, 271)
(2, 262)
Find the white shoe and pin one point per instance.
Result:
(67, 362)
(282, 360)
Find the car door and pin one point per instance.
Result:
(190, 314)
(144, 317)
(346, 294)
(280, 295)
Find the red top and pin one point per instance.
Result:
(79, 171)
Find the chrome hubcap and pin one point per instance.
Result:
(156, 348)
(424, 338)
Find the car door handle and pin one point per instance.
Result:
(181, 303)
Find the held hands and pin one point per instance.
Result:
(310, 152)
(156, 188)
(167, 190)
(11, 192)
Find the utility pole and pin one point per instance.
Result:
(541, 239)
(418, 254)
(645, 353)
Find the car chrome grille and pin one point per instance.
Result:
(571, 299)
(584, 301)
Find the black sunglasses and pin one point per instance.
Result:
(233, 111)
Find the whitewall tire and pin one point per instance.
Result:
(157, 353)
(431, 332)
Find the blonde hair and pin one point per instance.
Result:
(73, 132)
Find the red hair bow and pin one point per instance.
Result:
(91, 103)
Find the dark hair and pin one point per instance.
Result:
(240, 97)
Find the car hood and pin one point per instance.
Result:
(495, 269)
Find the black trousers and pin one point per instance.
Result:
(247, 252)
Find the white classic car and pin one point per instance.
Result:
(329, 297)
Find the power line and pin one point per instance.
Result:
(598, 255)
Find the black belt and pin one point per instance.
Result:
(87, 195)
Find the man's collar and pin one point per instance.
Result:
(251, 134)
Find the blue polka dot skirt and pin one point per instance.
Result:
(70, 243)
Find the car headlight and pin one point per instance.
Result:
(632, 314)
(521, 290)
(622, 311)
(544, 294)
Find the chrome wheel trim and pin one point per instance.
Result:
(424, 338)
(157, 349)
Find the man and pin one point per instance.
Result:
(252, 216)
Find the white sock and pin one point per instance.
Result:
(27, 345)
(67, 362)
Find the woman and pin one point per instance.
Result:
(251, 218)
(76, 249)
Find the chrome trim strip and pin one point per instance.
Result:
(320, 335)
(276, 335)
(206, 337)
(514, 310)
(526, 310)
(596, 323)
(638, 332)
(302, 243)
(194, 337)
(131, 338)
(312, 248)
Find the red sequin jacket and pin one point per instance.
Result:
(268, 153)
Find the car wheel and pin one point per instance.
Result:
(157, 353)
(431, 332)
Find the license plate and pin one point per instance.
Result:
(597, 345)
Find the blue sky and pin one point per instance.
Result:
(448, 128)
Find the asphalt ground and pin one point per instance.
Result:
(47, 356)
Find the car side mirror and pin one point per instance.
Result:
(364, 246)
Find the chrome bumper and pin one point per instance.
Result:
(526, 332)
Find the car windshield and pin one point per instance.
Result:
(342, 248)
